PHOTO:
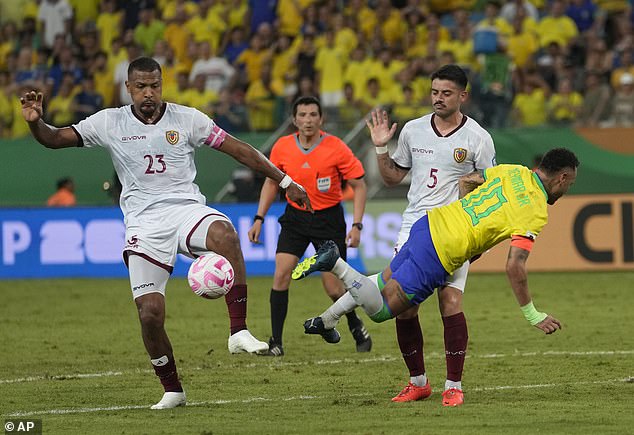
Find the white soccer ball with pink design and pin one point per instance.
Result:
(210, 276)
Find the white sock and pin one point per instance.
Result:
(341, 306)
(419, 381)
(453, 384)
(363, 290)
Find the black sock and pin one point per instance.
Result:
(279, 308)
(353, 320)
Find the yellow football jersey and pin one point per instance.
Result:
(512, 201)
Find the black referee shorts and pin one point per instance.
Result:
(299, 228)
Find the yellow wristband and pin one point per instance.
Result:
(532, 315)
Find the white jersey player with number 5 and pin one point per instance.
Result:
(436, 149)
(152, 145)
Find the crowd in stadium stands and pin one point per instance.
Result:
(530, 62)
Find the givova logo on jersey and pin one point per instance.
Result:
(459, 155)
(171, 136)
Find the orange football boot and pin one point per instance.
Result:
(412, 392)
(452, 397)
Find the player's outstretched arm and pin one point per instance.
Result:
(254, 159)
(518, 277)
(49, 136)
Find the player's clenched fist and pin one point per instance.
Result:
(32, 106)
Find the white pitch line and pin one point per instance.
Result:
(377, 359)
(294, 398)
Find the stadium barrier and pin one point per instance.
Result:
(585, 232)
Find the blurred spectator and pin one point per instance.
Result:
(261, 97)
(88, 45)
(200, 97)
(87, 101)
(549, 61)
(16, 10)
(556, 27)
(209, 24)
(364, 17)
(235, 44)
(529, 104)
(84, 11)
(8, 35)
(289, 14)
(622, 104)
(329, 65)
(626, 66)
(356, 70)
(522, 43)
(179, 93)
(148, 31)
(490, 34)
(345, 36)
(392, 26)
(583, 13)
(28, 34)
(284, 66)
(261, 11)
(311, 22)
(103, 77)
(131, 9)
(109, 24)
(565, 104)
(511, 8)
(60, 108)
(216, 71)
(177, 36)
(6, 109)
(55, 17)
(252, 60)
(495, 90)
(230, 113)
(120, 76)
(67, 65)
(64, 196)
(305, 88)
(408, 108)
(598, 57)
(350, 111)
(596, 98)
(373, 97)
(174, 7)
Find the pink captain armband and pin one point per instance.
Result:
(216, 137)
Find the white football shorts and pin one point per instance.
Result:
(161, 233)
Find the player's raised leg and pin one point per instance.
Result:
(221, 237)
(150, 302)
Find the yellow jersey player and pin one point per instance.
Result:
(502, 202)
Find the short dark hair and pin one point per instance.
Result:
(145, 64)
(64, 182)
(452, 73)
(305, 101)
(557, 159)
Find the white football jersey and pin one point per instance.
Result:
(437, 162)
(154, 162)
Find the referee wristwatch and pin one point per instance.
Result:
(358, 225)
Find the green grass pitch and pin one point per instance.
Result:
(72, 356)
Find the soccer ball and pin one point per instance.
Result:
(210, 276)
